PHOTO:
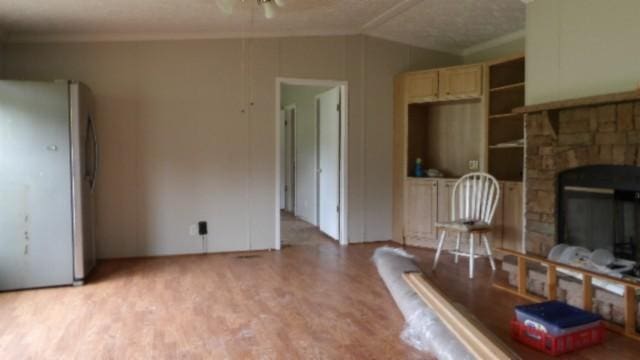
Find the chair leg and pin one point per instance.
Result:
(489, 253)
(440, 243)
(457, 247)
(472, 238)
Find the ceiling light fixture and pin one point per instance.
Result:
(270, 7)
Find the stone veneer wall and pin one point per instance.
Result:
(564, 139)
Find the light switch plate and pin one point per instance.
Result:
(474, 164)
(193, 230)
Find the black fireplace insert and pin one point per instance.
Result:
(599, 208)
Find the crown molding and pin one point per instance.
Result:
(17, 38)
(520, 34)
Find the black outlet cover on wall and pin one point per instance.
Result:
(202, 228)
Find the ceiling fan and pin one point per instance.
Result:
(270, 7)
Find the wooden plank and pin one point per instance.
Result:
(587, 293)
(581, 102)
(630, 309)
(478, 340)
(595, 275)
(552, 283)
(522, 276)
(514, 291)
(621, 330)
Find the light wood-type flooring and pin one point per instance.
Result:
(312, 300)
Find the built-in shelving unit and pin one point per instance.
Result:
(506, 86)
(457, 120)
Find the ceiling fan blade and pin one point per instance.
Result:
(226, 6)
(280, 3)
(269, 10)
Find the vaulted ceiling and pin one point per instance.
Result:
(448, 25)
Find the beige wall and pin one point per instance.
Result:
(509, 48)
(181, 141)
(304, 98)
(579, 48)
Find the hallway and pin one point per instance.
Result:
(295, 231)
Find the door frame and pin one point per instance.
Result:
(344, 153)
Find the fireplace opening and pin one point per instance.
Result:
(599, 208)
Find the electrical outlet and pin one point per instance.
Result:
(474, 164)
(193, 230)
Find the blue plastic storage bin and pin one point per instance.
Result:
(555, 317)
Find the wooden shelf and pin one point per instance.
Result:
(506, 146)
(508, 87)
(506, 82)
(507, 115)
(517, 143)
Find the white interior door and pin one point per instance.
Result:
(329, 162)
(290, 163)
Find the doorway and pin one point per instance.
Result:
(311, 143)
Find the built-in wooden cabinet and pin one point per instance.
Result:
(451, 118)
(455, 83)
(428, 201)
(460, 82)
(422, 86)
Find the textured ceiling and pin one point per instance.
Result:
(449, 25)
(454, 25)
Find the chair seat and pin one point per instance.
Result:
(460, 226)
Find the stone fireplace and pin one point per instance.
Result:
(582, 137)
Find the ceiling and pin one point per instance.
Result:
(448, 25)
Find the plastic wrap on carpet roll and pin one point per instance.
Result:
(423, 329)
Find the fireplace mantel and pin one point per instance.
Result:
(628, 96)
(562, 135)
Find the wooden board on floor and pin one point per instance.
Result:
(478, 340)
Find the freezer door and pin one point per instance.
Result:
(84, 154)
(35, 185)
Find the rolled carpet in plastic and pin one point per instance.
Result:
(423, 329)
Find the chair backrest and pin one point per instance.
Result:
(475, 197)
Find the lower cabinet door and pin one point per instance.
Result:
(512, 217)
(421, 210)
(497, 224)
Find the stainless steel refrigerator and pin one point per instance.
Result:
(48, 168)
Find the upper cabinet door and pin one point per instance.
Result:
(461, 82)
(422, 86)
